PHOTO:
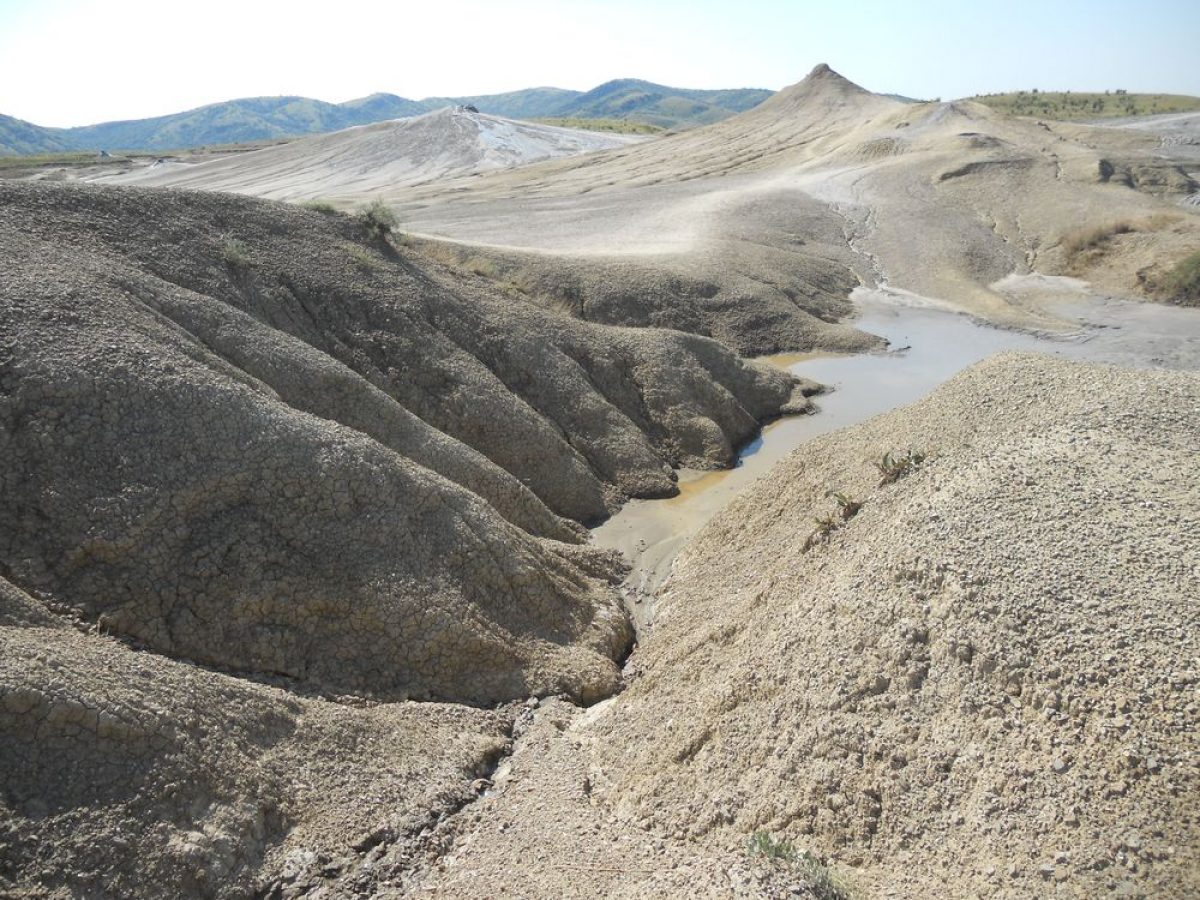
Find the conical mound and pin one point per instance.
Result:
(821, 92)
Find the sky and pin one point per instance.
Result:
(77, 62)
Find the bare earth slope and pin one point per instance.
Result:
(126, 774)
(368, 159)
(982, 685)
(783, 208)
(254, 452)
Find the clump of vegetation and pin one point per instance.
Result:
(895, 466)
(1066, 105)
(847, 509)
(618, 126)
(235, 254)
(321, 206)
(1093, 237)
(363, 259)
(816, 874)
(378, 219)
(1182, 284)
(481, 265)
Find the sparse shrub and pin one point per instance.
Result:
(363, 259)
(1182, 284)
(1075, 242)
(378, 219)
(763, 843)
(562, 306)
(235, 254)
(811, 870)
(321, 206)
(895, 466)
(826, 525)
(1158, 221)
(847, 506)
(482, 266)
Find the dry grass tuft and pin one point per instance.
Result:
(1095, 237)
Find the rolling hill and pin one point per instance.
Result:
(252, 119)
(20, 137)
(272, 118)
(232, 122)
(531, 103)
(656, 104)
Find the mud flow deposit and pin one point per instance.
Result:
(427, 540)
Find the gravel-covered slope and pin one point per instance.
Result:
(983, 683)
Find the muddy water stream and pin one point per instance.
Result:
(928, 345)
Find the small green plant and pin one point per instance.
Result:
(235, 254)
(763, 843)
(378, 219)
(826, 525)
(847, 509)
(895, 466)
(321, 206)
(816, 874)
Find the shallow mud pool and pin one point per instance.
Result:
(927, 346)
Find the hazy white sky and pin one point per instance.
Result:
(75, 62)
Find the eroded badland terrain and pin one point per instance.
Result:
(297, 592)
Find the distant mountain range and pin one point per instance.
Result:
(268, 118)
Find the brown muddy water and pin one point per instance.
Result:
(927, 346)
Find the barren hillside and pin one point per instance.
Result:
(981, 684)
(296, 591)
(250, 434)
(826, 184)
(360, 162)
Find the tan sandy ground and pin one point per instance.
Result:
(984, 684)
